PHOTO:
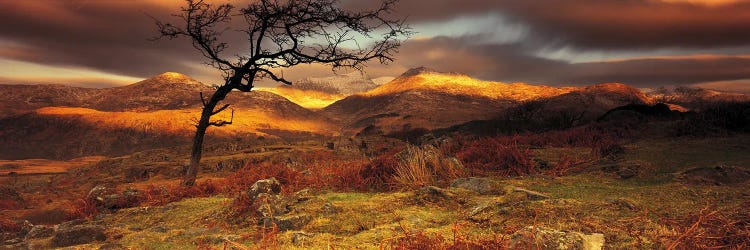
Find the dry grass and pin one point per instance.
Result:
(423, 166)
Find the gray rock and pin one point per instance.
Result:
(329, 209)
(79, 234)
(272, 205)
(480, 185)
(301, 238)
(285, 223)
(265, 186)
(551, 239)
(432, 194)
(40, 231)
(628, 171)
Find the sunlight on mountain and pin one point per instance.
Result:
(310, 99)
(180, 122)
(457, 84)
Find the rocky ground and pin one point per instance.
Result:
(657, 194)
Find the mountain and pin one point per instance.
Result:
(165, 91)
(346, 84)
(17, 99)
(424, 99)
(319, 92)
(65, 122)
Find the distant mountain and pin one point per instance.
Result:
(18, 99)
(346, 84)
(424, 99)
(319, 92)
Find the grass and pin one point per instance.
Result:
(648, 211)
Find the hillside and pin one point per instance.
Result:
(157, 112)
(422, 98)
(319, 92)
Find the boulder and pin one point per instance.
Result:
(301, 238)
(265, 186)
(483, 186)
(79, 234)
(40, 231)
(285, 223)
(272, 205)
(329, 209)
(551, 239)
(435, 195)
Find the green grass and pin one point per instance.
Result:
(590, 202)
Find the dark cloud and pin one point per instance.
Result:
(515, 62)
(107, 35)
(111, 36)
(602, 24)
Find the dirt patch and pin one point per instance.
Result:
(718, 175)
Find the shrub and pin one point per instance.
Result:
(496, 157)
(426, 165)
(609, 149)
(154, 196)
(9, 226)
(377, 173)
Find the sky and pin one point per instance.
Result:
(645, 43)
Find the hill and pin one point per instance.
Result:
(319, 92)
(52, 121)
(422, 98)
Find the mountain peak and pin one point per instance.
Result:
(172, 78)
(175, 77)
(417, 71)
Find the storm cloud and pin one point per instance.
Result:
(645, 43)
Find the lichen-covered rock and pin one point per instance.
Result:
(483, 186)
(284, 223)
(265, 186)
(329, 209)
(551, 239)
(40, 231)
(79, 234)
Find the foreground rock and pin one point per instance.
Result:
(551, 239)
(269, 186)
(105, 198)
(273, 208)
(78, 234)
(40, 231)
(483, 186)
(435, 195)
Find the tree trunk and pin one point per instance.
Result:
(195, 157)
(197, 152)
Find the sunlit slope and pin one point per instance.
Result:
(310, 99)
(181, 122)
(424, 99)
(457, 84)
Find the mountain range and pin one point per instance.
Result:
(55, 121)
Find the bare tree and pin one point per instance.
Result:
(280, 34)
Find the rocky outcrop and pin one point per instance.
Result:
(78, 234)
(483, 186)
(551, 239)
